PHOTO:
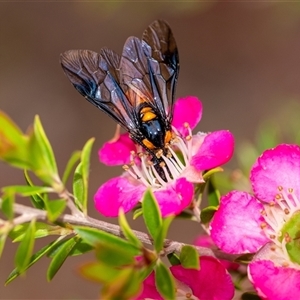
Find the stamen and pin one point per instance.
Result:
(179, 166)
(157, 176)
(140, 175)
(171, 166)
(287, 198)
(183, 149)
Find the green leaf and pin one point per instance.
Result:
(2, 243)
(209, 173)
(173, 259)
(26, 190)
(13, 144)
(189, 257)
(36, 199)
(79, 187)
(207, 214)
(60, 256)
(41, 230)
(125, 286)
(127, 231)
(7, 205)
(162, 234)
(164, 281)
(99, 272)
(80, 181)
(114, 256)
(80, 248)
(55, 208)
(25, 248)
(121, 283)
(151, 214)
(213, 193)
(44, 144)
(34, 258)
(85, 158)
(75, 157)
(42, 157)
(110, 249)
(137, 213)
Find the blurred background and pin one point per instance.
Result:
(240, 58)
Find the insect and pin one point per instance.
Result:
(136, 89)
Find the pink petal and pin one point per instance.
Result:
(116, 193)
(192, 175)
(212, 281)
(276, 283)
(149, 290)
(117, 152)
(206, 241)
(187, 110)
(235, 227)
(216, 149)
(173, 199)
(277, 167)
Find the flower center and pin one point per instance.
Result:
(170, 166)
(283, 219)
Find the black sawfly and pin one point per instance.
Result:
(136, 89)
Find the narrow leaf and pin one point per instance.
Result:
(164, 281)
(44, 144)
(55, 208)
(13, 144)
(127, 231)
(115, 256)
(125, 286)
(100, 239)
(137, 213)
(26, 190)
(60, 257)
(7, 203)
(173, 259)
(34, 258)
(41, 230)
(25, 248)
(2, 243)
(79, 187)
(213, 193)
(98, 272)
(162, 234)
(207, 214)
(36, 199)
(151, 214)
(75, 157)
(189, 257)
(80, 182)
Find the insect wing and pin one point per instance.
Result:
(160, 42)
(150, 67)
(146, 72)
(96, 77)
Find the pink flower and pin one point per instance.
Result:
(212, 281)
(267, 223)
(191, 155)
(207, 242)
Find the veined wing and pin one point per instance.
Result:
(97, 78)
(149, 67)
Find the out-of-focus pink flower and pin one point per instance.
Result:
(266, 223)
(211, 282)
(191, 155)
